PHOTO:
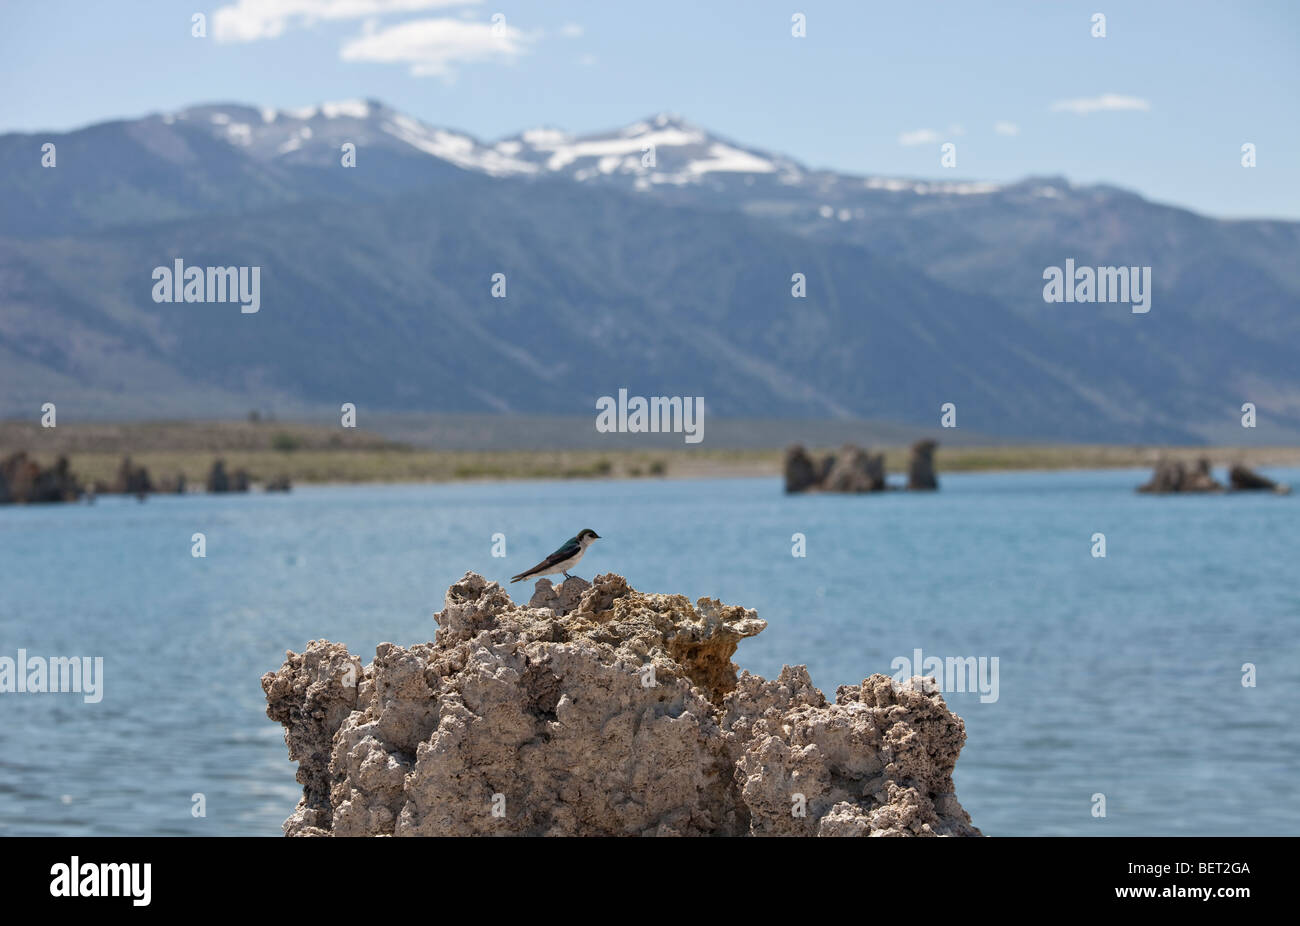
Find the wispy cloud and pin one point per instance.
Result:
(1006, 128)
(1107, 102)
(918, 137)
(250, 20)
(571, 30)
(432, 47)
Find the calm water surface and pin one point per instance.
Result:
(1119, 676)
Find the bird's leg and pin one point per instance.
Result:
(567, 576)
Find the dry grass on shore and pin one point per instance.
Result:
(311, 454)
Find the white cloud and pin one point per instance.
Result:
(587, 61)
(918, 137)
(433, 46)
(1105, 103)
(1006, 128)
(571, 30)
(250, 20)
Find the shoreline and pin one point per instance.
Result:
(308, 454)
(417, 467)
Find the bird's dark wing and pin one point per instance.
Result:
(570, 548)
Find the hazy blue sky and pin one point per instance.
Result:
(1161, 105)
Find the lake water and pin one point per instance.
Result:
(1120, 676)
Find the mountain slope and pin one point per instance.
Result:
(666, 279)
(389, 305)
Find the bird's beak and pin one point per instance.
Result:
(595, 537)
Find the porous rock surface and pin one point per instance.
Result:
(601, 710)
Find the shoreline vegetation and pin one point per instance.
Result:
(312, 454)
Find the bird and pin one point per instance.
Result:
(563, 559)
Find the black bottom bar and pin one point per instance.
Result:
(925, 876)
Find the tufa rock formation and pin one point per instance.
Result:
(131, 479)
(1244, 479)
(801, 472)
(1175, 476)
(855, 470)
(560, 600)
(600, 710)
(24, 481)
(220, 481)
(920, 467)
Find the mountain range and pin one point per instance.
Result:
(657, 257)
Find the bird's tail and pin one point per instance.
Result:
(519, 578)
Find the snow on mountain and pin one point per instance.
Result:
(663, 151)
(316, 134)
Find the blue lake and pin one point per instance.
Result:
(1120, 676)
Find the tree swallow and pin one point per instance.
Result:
(563, 559)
